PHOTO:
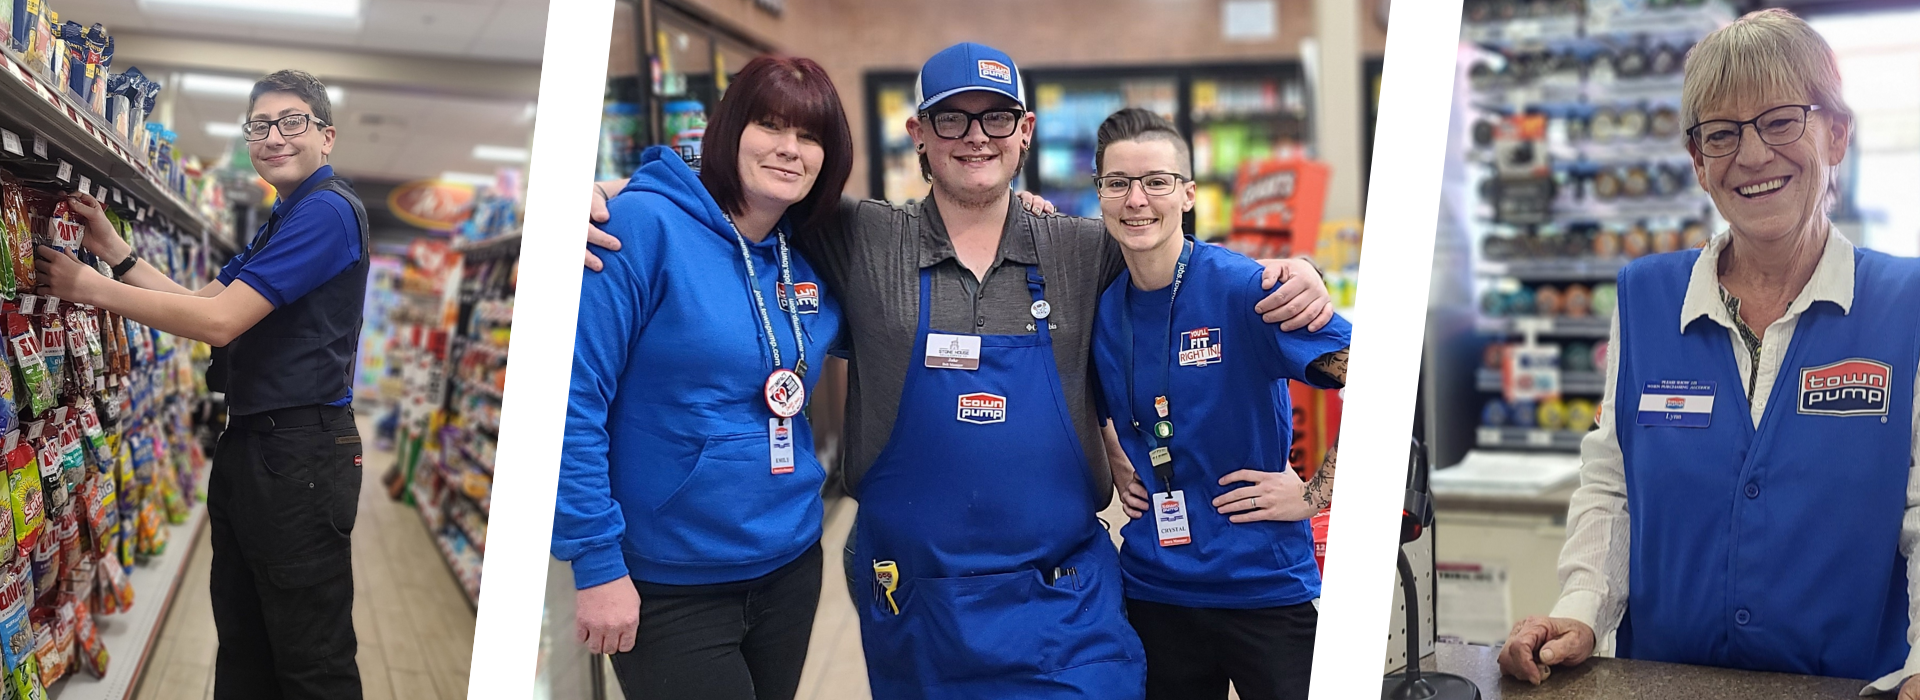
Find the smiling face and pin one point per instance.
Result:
(1141, 222)
(973, 168)
(778, 164)
(1765, 192)
(286, 162)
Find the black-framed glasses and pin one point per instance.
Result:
(290, 126)
(995, 123)
(1776, 127)
(1155, 184)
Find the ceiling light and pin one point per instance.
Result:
(318, 9)
(504, 154)
(223, 130)
(215, 85)
(474, 179)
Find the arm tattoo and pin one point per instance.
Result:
(1331, 368)
(1319, 492)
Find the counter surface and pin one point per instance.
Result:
(1626, 679)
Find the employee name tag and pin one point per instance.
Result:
(1676, 403)
(780, 444)
(953, 351)
(1170, 517)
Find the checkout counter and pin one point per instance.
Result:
(1627, 679)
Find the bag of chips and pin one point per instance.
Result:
(46, 567)
(23, 486)
(103, 513)
(53, 349)
(26, 681)
(46, 652)
(90, 651)
(47, 457)
(115, 588)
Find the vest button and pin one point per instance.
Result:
(1753, 491)
(1742, 617)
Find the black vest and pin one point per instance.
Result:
(301, 354)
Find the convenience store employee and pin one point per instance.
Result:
(1221, 579)
(1749, 499)
(286, 476)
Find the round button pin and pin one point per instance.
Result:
(1041, 308)
(1163, 430)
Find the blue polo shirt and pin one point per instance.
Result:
(318, 240)
(1226, 373)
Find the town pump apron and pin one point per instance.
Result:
(1777, 548)
(1007, 587)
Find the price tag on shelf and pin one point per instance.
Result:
(85, 184)
(1489, 437)
(1532, 373)
(39, 146)
(116, 196)
(101, 195)
(66, 172)
(1539, 438)
(11, 143)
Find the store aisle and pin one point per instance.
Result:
(414, 625)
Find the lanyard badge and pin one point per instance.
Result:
(785, 391)
(1169, 504)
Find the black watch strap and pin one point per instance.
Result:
(125, 266)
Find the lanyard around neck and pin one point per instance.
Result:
(1164, 469)
(760, 301)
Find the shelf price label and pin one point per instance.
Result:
(1539, 438)
(66, 172)
(39, 146)
(86, 185)
(1532, 373)
(11, 142)
(1489, 437)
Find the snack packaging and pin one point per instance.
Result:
(16, 631)
(103, 514)
(46, 651)
(24, 347)
(46, 566)
(47, 458)
(89, 650)
(53, 350)
(26, 680)
(23, 487)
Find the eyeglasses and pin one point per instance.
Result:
(1155, 184)
(995, 123)
(1777, 127)
(290, 126)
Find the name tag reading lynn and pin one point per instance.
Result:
(1676, 403)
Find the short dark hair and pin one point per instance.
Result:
(1136, 124)
(303, 85)
(797, 92)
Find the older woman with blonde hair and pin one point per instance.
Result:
(1748, 500)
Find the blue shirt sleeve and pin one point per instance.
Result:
(1286, 354)
(232, 268)
(587, 522)
(318, 240)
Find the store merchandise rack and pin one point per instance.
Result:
(1579, 166)
(452, 444)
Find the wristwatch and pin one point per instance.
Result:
(125, 266)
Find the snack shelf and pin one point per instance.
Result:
(1561, 326)
(1556, 269)
(130, 636)
(1577, 383)
(77, 136)
(1528, 438)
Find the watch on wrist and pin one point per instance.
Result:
(123, 267)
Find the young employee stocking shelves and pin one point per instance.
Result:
(286, 477)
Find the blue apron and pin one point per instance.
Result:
(1776, 548)
(979, 497)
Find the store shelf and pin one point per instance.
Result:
(1556, 270)
(130, 636)
(89, 143)
(496, 247)
(1528, 438)
(1550, 326)
(1664, 22)
(1540, 30)
(1571, 383)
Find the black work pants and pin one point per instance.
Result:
(282, 499)
(1193, 652)
(743, 641)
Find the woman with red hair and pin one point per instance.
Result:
(689, 497)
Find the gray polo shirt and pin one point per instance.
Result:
(871, 263)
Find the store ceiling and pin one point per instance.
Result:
(387, 136)
(501, 30)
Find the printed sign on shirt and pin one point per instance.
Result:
(983, 408)
(1199, 347)
(1850, 387)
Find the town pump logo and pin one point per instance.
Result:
(983, 408)
(1852, 387)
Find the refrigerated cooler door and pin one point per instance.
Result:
(1060, 168)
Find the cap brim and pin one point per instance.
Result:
(931, 101)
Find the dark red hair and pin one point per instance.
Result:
(795, 91)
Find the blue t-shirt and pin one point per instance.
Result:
(1225, 371)
(319, 239)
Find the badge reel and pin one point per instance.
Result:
(785, 394)
(1169, 507)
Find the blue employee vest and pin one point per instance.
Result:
(300, 354)
(1774, 549)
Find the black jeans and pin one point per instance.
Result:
(1193, 652)
(282, 499)
(740, 641)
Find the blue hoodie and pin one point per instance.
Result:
(666, 474)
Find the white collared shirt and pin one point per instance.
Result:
(1594, 562)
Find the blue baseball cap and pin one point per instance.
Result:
(965, 68)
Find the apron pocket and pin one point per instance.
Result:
(1015, 625)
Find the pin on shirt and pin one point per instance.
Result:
(1041, 309)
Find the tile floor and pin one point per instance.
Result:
(414, 625)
